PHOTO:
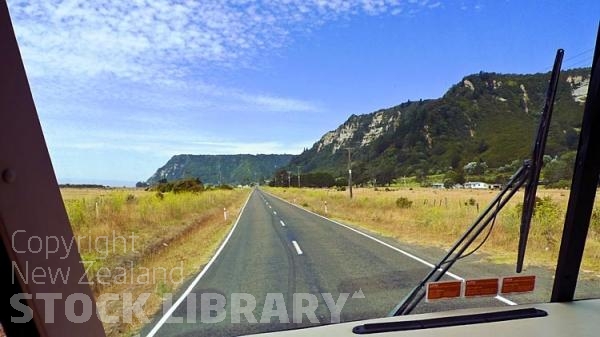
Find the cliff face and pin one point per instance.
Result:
(485, 117)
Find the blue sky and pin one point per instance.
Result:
(121, 86)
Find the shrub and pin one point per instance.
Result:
(403, 202)
(182, 185)
(563, 183)
(188, 185)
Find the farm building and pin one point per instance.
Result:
(478, 185)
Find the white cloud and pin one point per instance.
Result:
(167, 143)
(76, 45)
(272, 103)
(149, 40)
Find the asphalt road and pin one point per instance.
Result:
(279, 248)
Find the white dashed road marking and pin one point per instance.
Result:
(298, 250)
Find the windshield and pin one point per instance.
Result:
(237, 167)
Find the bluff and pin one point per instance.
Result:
(221, 169)
(485, 117)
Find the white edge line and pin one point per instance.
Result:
(197, 279)
(505, 300)
(282, 223)
(298, 250)
(416, 258)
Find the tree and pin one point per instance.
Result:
(318, 179)
(182, 185)
(141, 184)
(188, 185)
(475, 168)
(560, 168)
(454, 177)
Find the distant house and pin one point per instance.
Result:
(438, 185)
(476, 185)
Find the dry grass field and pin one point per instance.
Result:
(431, 217)
(137, 242)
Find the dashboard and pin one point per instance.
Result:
(578, 318)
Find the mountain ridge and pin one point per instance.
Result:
(221, 169)
(486, 118)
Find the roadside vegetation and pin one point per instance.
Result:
(430, 217)
(134, 241)
(556, 173)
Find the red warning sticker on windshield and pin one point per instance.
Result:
(440, 290)
(481, 287)
(518, 284)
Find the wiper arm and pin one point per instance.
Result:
(529, 172)
(464, 242)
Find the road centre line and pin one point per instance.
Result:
(405, 253)
(189, 289)
(298, 250)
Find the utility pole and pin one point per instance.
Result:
(289, 178)
(350, 170)
(220, 175)
(298, 167)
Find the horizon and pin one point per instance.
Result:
(121, 89)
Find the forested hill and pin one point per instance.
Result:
(486, 118)
(221, 169)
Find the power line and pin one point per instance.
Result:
(585, 62)
(579, 54)
(585, 53)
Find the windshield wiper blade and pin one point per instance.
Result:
(528, 173)
(537, 160)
